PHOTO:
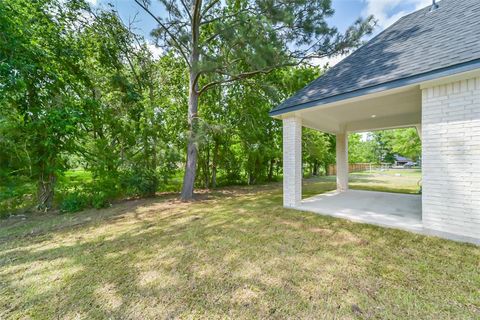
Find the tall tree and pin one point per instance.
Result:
(226, 41)
(405, 142)
(41, 84)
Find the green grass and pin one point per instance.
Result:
(19, 196)
(234, 253)
(398, 181)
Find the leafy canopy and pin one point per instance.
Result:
(237, 39)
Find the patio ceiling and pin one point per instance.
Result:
(395, 108)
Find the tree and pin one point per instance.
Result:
(406, 142)
(226, 41)
(77, 89)
(317, 150)
(356, 149)
(41, 77)
(382, 148)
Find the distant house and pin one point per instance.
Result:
(401, 161)
(424, 72)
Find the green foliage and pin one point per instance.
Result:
(74, 202)
(318, 151)
(80, 90)
(88, 116)
(140, 183)
(406, 142)
(79, 199)
(14, 195)
(224, 42)
(381, 146)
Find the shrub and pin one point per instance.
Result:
(140, 183)
(15, 195)
(74, 202)
(100, 200)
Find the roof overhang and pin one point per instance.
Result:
(443, 74)
(387, 106)
(387, 109)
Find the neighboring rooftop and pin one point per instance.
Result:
(419, 44)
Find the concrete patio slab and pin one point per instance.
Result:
(401, 211)
(391, 210)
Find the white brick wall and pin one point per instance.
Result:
(451, 157)
(292, 161)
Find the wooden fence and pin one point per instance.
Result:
(352, 167)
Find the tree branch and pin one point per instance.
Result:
(208, 7)
(175, 40)
(240, 76)
(185, 7)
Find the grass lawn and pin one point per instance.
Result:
(234, 253)
(394, 180)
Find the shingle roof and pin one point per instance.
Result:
(421, 43)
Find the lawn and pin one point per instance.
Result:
(234, 253)
(393, 180)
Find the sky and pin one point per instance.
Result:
(346, 12)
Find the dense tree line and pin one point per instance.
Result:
(223, 42)
(80, 91)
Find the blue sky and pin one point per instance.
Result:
(346, 11)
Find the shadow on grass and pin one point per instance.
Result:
(235, 253)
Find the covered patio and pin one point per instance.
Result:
(416, 73)
(381, 110)
(365, 113)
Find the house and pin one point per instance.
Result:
(400, 161)
(423, 72)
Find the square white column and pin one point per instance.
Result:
(292, 161)
(342, 161)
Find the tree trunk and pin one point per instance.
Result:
(193, 95)
(206, 168)
(192, 151)
(214, 165)
(270, 169)
(250, 178)
(45, 192)
(155, 140)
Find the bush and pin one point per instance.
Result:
(74, 202)
(100, 200)
(15, 195)
(79, 200)
(140, 183)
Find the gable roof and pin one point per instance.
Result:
(401, 158)
(423, 45)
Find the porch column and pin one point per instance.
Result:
(419, 130)
(342, 161)
(292, 161)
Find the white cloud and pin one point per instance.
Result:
(156, 51)
(330, 60)
(94, 2)
(383, 10)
